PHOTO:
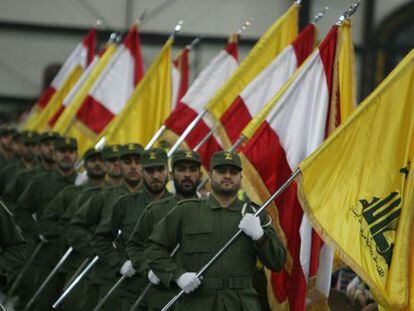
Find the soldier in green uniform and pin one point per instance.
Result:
(33, 201)
(15, 189)
(29, 150)
(54, 220)
(13, 248)
(202, 227)
(6, 150)
(186, 176)
(87, 217)
(47, 163)
(123, 215)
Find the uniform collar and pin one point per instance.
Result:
(235, 206)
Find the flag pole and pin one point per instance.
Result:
(75, 282)
(234, 237)
(348, 13)
(48, 278)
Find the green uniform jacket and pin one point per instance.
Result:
(37, 195)
(123, 216)
(8, 172)
(50, 225)
(15, 188)
(202, 227)
(12, 247)
(83, 224)
(159, 295)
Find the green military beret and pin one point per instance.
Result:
(90, 153)
(225, 158)
(30, 137)
(110, 152)
(7, 130)
(185, 155)
(66, 143)
(131, 149)
(48, 135)
(154, 157)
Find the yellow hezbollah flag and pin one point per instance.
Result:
(148, 106)
(358, 188)
(65, 121)
(276, 38)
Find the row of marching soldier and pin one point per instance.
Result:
(123, 227)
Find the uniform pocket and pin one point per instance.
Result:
(197, 237)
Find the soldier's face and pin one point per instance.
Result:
(66, 158)
(47, 150)
(186, 176)
(112, 167)
(17, 147)
(94, 167)
(30, 151)
(6, 142)
(131, 169)
(155, 178)
(225, 180)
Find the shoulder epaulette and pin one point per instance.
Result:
(190, 200)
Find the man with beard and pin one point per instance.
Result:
(15, 189)
(202, 227)
(54, 220)
(46, 164)
(6, 150)
(33, 201)
(86, 217)
(186, 176)
(123, 215)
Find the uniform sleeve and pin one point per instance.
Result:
(80, 236)
(13, 249)
(164, 238)
(135, 244)
(269, 249)
(26, 206)
(106, 233)
(48, 221)
(10, 194)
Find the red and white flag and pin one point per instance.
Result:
(180, 75)
(82, 55)
(286, 131)
(262, 88)
(198, 95)
(112, 89)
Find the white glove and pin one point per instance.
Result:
(127, 269)
(153, 278)
(251, 226)
(188, 282)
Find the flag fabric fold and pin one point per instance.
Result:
(266, 84)
(81, 57)
(147, 107)
(272, 42)
(357, 189)
(201, 91)
(290, 126)
(65, 119)
(180, 76)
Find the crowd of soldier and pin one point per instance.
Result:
(125, 218)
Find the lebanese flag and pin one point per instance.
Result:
(180, 75)
(262, 88)
(82, 55)
(201, 91)
(114, 86)
(288, 129)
